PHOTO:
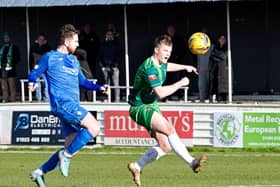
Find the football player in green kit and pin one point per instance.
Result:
(144, 109)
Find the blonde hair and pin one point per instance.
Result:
(163, 39)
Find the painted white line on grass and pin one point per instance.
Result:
(244, 154)
(85, 153)
(138, 153)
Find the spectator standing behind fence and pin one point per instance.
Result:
(218, 70)
(9, 57)
(203, 73)
(85, 95)
(117, 35)
(109, 59)
(89, 41)
(39, 48)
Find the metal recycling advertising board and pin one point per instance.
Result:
(261, 129)
(120, 129)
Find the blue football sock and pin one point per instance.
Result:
(82, 138)
(51, 163)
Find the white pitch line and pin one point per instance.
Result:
(85, 153)
(138, 153)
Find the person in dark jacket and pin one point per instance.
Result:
(218, 70)
(109, 59)
(203, 71)
(90, 42)
(9, 58)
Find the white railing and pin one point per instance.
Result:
(24, 82)
(23, 85)
(22, 89)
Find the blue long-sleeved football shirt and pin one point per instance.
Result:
(64, 77)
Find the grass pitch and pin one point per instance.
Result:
(108, 168)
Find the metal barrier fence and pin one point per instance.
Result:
(24, 82)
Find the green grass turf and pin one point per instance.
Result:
(108, 168)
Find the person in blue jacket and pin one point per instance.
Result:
(64, 76)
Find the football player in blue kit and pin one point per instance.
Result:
(64, 77)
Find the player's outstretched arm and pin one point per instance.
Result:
(164, 91)
(171, 67)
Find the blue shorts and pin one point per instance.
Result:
(71, 114)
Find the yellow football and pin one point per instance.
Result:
(199, 43)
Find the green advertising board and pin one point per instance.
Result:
(261, 129)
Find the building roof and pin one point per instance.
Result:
(50, 3)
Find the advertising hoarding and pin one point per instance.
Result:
(120, 129)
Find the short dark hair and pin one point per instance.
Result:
(66, 31)
(163, 39)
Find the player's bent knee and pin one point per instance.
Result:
(170, 129)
